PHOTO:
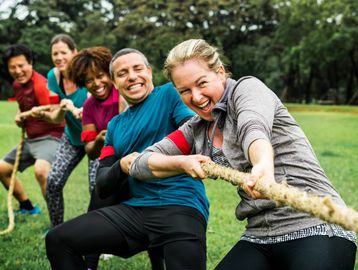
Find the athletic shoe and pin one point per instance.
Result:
(34, 211)
(106, 257)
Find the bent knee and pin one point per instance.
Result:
(51, 238)
(5, 169)
(42, 169)
(41, 176)
(54, 242)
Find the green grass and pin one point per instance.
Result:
(333, 134)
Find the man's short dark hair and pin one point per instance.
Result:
(17, 50)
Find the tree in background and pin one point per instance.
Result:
(317, 41)
(306, 50)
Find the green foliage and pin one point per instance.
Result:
(334, 137)
(322, 52)
(93, 34)
(305, 50)
(38, 38)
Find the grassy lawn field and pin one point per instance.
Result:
(333, 133)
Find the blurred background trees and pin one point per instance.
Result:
(305, 50)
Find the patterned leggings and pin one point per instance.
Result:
(67, 158)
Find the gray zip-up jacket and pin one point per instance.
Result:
(247, 111)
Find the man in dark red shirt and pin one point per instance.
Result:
(42, 138)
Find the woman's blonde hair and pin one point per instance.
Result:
(191, 49)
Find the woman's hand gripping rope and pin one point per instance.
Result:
(320, 207)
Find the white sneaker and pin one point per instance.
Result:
(105, 257)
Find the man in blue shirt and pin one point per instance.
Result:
(167, 215)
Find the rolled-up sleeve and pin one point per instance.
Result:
(255, 107)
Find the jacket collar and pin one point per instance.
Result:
(219, 113)
(220, 108)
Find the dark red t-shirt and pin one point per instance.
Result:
(35, 93)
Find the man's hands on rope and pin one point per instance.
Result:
(37, 112)
(66, 105)
(19, 120)
(126, 161)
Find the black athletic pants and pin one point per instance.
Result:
(177, 232)
(310, 253)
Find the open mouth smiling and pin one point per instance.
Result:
(134, 86)
(204, 106)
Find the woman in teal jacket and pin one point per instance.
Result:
(71, 150)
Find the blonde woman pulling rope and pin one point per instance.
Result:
(243, 125)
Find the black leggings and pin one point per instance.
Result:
(311, 253)
(94, 233)
(96, 203)
(113, 188)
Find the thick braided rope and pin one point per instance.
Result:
(10, 209)
(321, 207)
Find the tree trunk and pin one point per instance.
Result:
(307, 90)
(354, 98)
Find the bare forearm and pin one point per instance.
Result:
(56, 116)
(262, 159)
(165, 166)
(156, 165)
(261, 152)
(93, 149)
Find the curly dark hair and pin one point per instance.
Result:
(89, 60)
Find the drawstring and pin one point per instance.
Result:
(221, 107)
(213, 135)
